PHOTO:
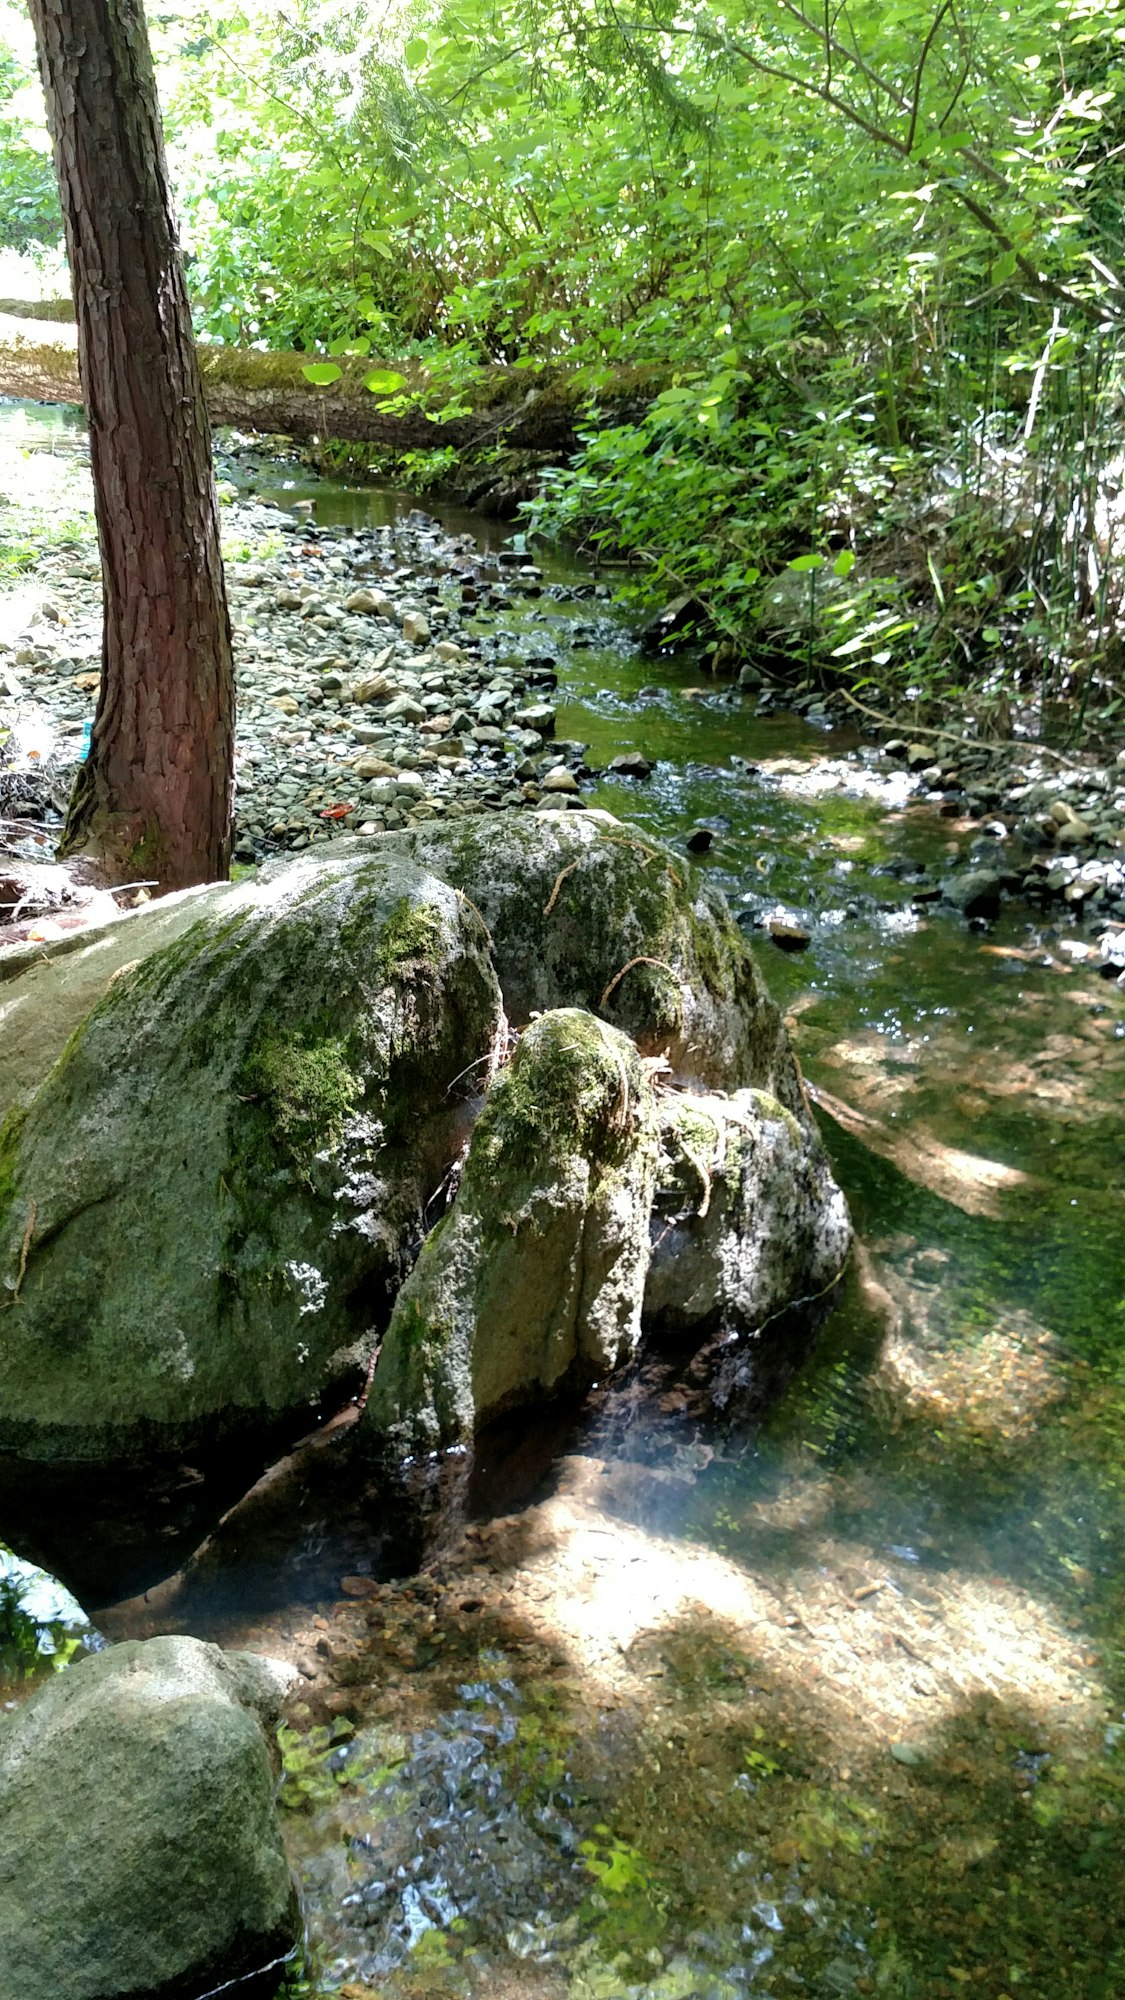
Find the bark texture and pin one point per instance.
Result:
(523, 409)
(154, 796)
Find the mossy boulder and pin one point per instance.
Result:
(747, 1219)
(208, 1205)
(587, 912)
(535, 1278)
(140, 1850)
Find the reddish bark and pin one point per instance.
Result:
(154, 797)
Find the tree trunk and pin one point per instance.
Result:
(154, 796)
(534, 409)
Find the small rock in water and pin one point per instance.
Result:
(631, 765)
(788, 936)
(700, 839)
(358, 1586)
(976, 894)
(558, 780)
(910, 1754)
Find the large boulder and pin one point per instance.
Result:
(584, 911)
(747, 1219)
(206, 1208)
(140, 1852)
(535, 1278)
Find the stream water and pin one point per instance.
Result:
(814, 1686)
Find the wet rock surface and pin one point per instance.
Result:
(140, 1848)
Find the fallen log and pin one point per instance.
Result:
(532, 409)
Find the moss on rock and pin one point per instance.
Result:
(587, 912)
(536, 1276)
(306, 1089)
(230, 1160)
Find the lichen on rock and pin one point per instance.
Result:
(585, 911)
(140, 1848)
(210, 1201)
(747, 1218)
(535, 1278)
(209, 1204)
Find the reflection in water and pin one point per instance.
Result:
(41, 1626)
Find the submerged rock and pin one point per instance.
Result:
(140, 1852)
(204, 1210)
(976, 893)
(747, 1218)
(536, 1277)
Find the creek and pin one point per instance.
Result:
(796, 1668)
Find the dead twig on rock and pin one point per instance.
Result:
(559, 880)
(641, 959)
(25, 1249)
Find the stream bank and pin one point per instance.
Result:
(798, 1671)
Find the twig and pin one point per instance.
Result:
(961, 742)
(25, 1248)
(476, 913)
(559, 880)
(641, 959)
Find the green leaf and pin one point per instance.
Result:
(844, 563)
(383, 381)
(415, 52)
(321, 373)
(802, 564)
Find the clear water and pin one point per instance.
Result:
(874, 1742)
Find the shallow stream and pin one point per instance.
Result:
(800, 1668)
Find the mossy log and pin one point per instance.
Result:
(534, 409)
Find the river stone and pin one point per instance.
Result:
(747, 1218)
(572, 900)
(205, 1206)
(140, 1851)
(536, 1276)
(976, 893)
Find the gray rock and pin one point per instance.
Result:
(140, 1852)
(747, 1216)
(558, 780)
(587, 912)
(536, 1276)
(538, 718)
(204, 1202)
(975, 894)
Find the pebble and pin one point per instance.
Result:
(358, 709)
